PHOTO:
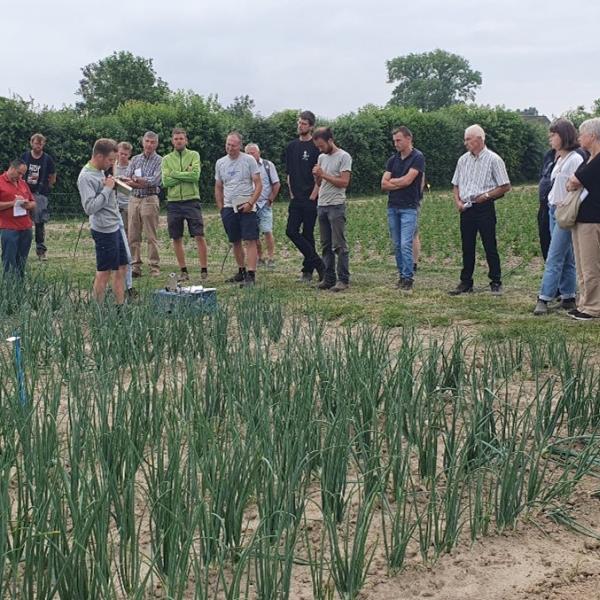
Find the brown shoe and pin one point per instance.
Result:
(340, 286)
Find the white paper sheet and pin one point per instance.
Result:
(18, 210)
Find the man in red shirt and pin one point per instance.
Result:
(16, 206)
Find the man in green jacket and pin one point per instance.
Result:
(180, 175)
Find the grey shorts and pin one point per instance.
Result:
(185, 210)
(265, 219)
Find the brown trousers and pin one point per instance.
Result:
(143, 217)
(586, 245)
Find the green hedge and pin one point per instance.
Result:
(365, 134)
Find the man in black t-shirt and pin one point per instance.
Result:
(300, 157)
(40, 177)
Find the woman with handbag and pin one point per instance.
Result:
(559, 272)
(586, 232)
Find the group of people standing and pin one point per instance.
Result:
(572, 255)
(246, 185)
(121, 196)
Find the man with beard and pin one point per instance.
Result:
(300, 157)
(180, 177)
(40, 177)
(332, 174)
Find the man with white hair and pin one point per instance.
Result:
(264, 205)
(479, 180)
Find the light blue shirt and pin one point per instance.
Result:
(267, 187)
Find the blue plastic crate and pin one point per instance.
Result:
(201, 301)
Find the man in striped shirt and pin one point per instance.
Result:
(480, 178)
(144, 176)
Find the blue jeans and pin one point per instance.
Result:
(403, 223)
(559, 273)
(15, 249)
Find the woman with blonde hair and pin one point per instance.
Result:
(586, 233)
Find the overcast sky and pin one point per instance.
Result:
(326, 55)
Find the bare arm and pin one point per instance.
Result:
(257, 188)
(386, 185)
(274, 191)
(460, 205)
(493, 194)
(343, 181)
(315, 193)
(248, 206)
(7, 205)
(28, 204)
(404, 181)
(219, 197)
(573, 184)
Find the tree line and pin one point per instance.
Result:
(366, 135)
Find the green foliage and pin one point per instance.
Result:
(439, 135)
(432, 80)
(122, 76)
(242, 107)
(17, 122)
(366, 135)
(580, 114)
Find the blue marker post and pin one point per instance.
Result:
(16, 341)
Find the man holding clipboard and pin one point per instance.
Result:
(16, 206)
(237, 189)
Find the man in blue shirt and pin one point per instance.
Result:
(402, 180)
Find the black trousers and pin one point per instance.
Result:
(479, 219)
(40, 238)
(302, 216)
(543, 219)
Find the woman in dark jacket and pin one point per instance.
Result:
(545, 186)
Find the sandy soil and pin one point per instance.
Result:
(536, 562)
